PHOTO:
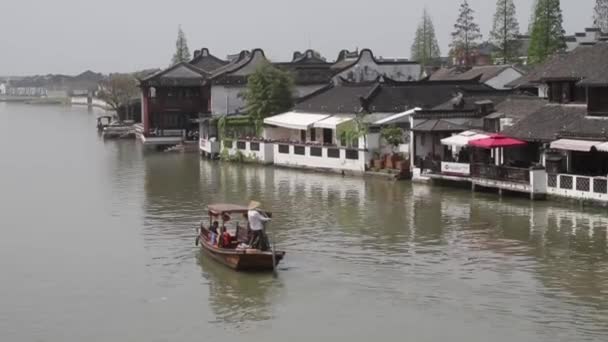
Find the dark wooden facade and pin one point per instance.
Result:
(173, 99)
(597, 102)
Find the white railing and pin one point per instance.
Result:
(322, 157)
(254, 150)
(578, 186)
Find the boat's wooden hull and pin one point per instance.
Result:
(254, 261)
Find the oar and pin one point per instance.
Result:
(272, 249)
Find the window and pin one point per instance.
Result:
(228, 143)
(254, 146)
(241, 145)
(152, 92)
(303, 136)
(313, 134)
(333, 153)
(316, 152)
(299, 150)
(352, 154)
(422, 139)
(284, 149)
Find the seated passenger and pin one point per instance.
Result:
(225, 239)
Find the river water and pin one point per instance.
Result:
(97, 244)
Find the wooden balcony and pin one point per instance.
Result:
(185, 105)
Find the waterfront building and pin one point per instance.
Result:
(312, 135)
(172, 101)
(566, 135)
(571, 131)
(312, 74)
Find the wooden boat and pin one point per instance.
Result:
(239, 259)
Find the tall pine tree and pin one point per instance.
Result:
(547, 33)
(600, 15)
(505, 31)
(425, 48)
(182, 53)
(532, 13)
(466, 35)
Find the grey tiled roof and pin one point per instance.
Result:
(483, 73)
(207, 62)
(546, 123)
(586, 63)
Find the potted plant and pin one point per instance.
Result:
(403, 165)
(377, 161)
(394, 137)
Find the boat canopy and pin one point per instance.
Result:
(226, 208)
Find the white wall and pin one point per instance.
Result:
(323, 162)
(227, 99)
(505, 77)
(367, 70)
(207, 146)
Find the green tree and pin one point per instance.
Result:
(182, 53)
(425, 48)
(600, 15)
(351, 131)
(505, 31)
(547, 33)
(269, 92)
(466, 35)
(393, 136)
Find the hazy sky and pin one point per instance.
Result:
(69, 36)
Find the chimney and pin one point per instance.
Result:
(196, 53)
(204, 52)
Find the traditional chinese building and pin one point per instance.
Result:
(171, 103)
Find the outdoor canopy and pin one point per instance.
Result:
(463, 138)
(603, 147)
(333, 122)
(295, 120)
(576, 145)
(496, 141)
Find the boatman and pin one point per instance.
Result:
(256, 224)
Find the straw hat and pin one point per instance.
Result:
(254, 205)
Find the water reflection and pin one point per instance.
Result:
(507, 257)
(238, 298)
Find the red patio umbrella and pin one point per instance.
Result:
(496, 141)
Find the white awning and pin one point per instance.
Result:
(333, 121)
(463, 138)
(395, 117)
(293, 120)
(574, 145)
(603, 147)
